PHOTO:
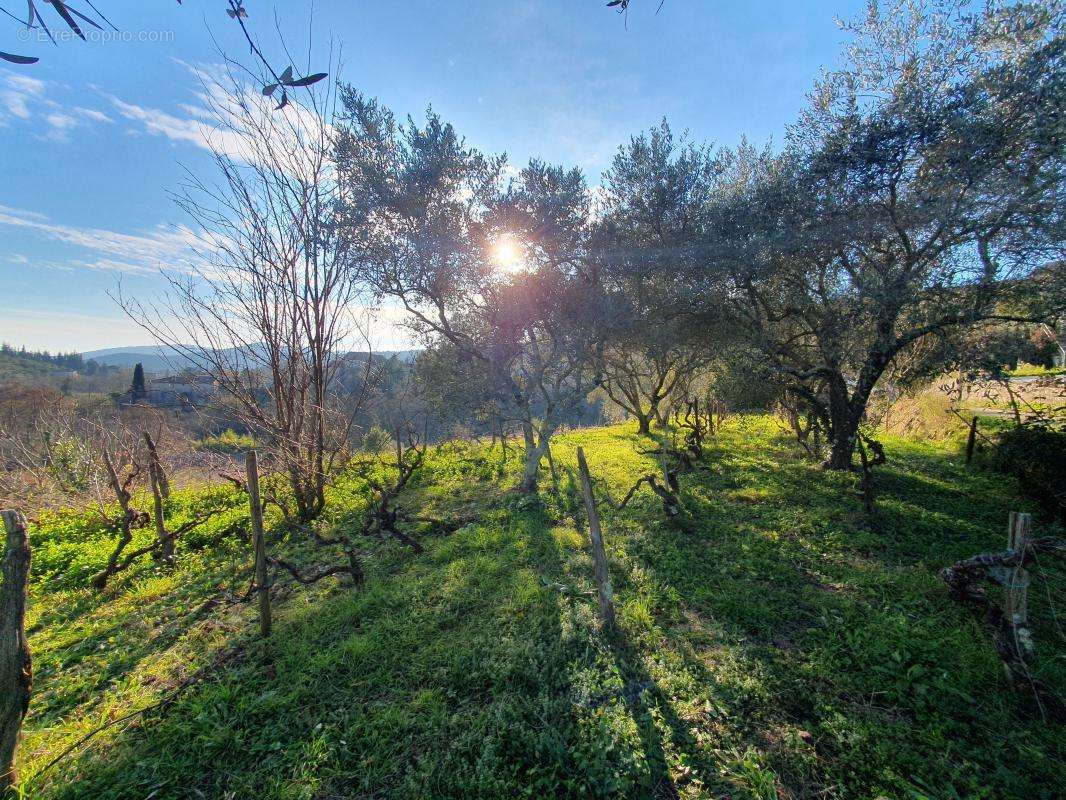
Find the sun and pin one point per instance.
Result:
(507, 255)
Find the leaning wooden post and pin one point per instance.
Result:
(1016, 607)
(866, 483)
(16, 674)
(261, 580)
(971, 440)
(599, 555)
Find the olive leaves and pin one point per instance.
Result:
(75, 20)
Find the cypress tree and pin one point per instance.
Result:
(137, 390)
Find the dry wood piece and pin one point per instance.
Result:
(697, 424)
(154, 548)
(16, 674)
(866, 482)
(717, 411)
(128, 519)
(671, 506)
(381, 519)
(599, 555)
(962, 576)
(672, 462)
(353, 568)
(382, 516)
(1016, 607)
(236, 480)
(867, 490)
(1009, 623)
(804, 419)
(163, 546)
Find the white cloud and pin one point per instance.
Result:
(25, 83)
(160, 123)
(138, 253)
(195, 111)
(17, 93)
(24, 98)
(111, 265)
(59, 124)
(225, 116)
(93, 114)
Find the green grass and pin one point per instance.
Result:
(229, 441)
(1034, 370)
(785, 646)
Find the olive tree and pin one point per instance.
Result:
(922, 185)
(653, 208)
(496, 266)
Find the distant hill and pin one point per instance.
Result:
(156, 358)
(153, 357)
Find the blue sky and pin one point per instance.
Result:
(96, 135)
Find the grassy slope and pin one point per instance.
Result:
(17, 367)
(1026, 370)
(782, 648)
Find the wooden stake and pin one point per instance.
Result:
(16, 673)
(261, 580)
(971, 440)
(1016, 606)
(599, 555)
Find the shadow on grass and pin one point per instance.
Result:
(860, 666)
(99, 640)
(778, 648)
(461, 677)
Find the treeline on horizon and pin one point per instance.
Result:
(60, 360)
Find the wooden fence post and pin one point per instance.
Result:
(971, 440)
(261, 580)
(599, 555)
(1016, 607)
(16, 674)
(866, 483)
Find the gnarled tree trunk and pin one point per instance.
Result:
(846, 412)
(535, 449)
(643, 423)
